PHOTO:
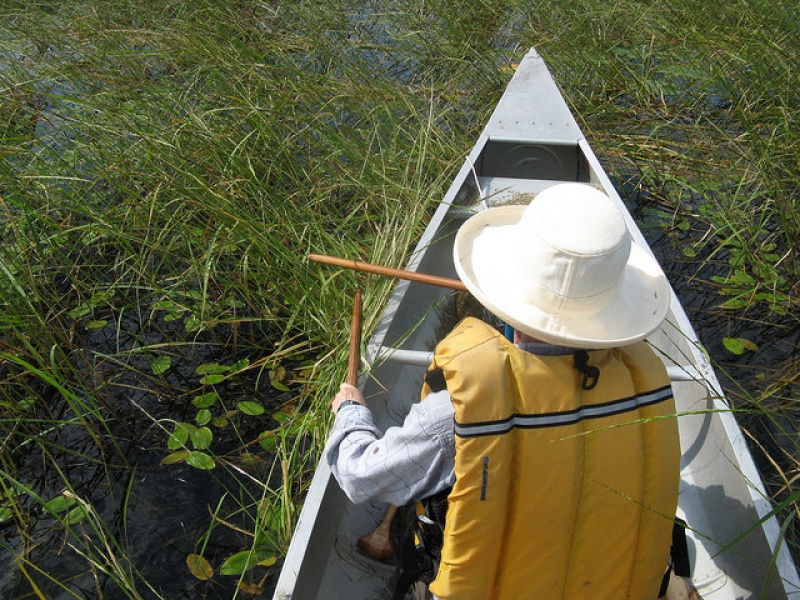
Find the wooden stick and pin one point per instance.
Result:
(356, 265)
(377, 544)
(355, 342)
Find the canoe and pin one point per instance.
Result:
(531, 142)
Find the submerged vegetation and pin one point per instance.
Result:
(167, 352)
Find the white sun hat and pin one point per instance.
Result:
(563, 269)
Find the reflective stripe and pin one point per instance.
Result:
(570, 417)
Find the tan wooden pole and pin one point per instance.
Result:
(355, 342)
(356, 265)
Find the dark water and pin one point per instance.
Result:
(151, 516)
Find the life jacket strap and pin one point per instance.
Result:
(419, 542)
(435, 380)
(679, 556)
(591, 374)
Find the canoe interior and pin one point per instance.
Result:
(532, 142)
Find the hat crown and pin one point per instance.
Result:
(574, 248)
(563, 269)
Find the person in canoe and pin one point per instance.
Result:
(545, 465)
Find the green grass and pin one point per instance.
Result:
(167, 165)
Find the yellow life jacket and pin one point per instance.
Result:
(560, 492)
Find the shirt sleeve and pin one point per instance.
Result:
(408, 462)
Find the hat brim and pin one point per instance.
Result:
(638, 309)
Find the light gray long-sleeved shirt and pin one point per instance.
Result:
(406, 463)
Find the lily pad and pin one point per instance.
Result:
(239, 563)
(202, 438)
(76, 515)
(212, 379)
(206, 400)
(250, 407)
(738, 346)
(161, 364)
(59, 504)
(240, 365)
(199, 567)
(200, 460)
(179, 438)
(203, 416)
(251, 588)
(5, 514)
(212, 369)
(175, 457)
